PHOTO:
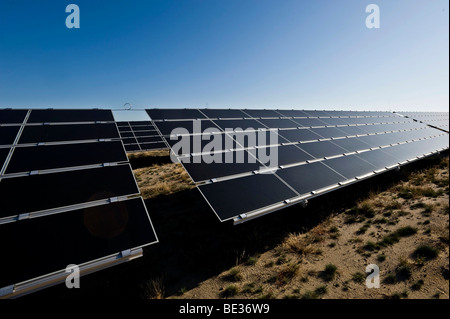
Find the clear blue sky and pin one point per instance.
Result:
(225, 53)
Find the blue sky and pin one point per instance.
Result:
(225, 54)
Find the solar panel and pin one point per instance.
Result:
(26, 159)
(219, 165)
(315, 151)
(238, 196)
(309, 177)
(434, 119)
(67, 116)
(323, 149)
(35, 247)
(350, 166)
(67, 196)
(262, 113)
(299, 135)
(140, 136)
(174, 114)
(3, 155)
(8, 134)
(12, 116)
(64, 133)
(220, 113)
(242, 124)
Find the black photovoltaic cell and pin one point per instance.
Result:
(286, 154)
(132, 147)
(185, 127)
(292, 113)
(317, 113)
(378, 128)
(262, 113)
(350, 166)
(12, 116)
(241, 124)
(39, 246)
(405, 152)
(353, 130)
(143, 128)
(8, 134)
(378, 140)
(299, 135)
(174, 114)
(149, 139)
(332, 121)
(352, 144)
(309, 177)
(130, 140)
(310, 122)
(67, 116)
(141, 123)
(322, 149)
(222, 113)
(58, 133)
(153, 146)
(126, 134)
(222, 141)
(49, 191)
(379, 158)
(145, 133)
(3, 155)
(242, 195)
(328, 132)
(277, 123)
(208, 166)
(26, 159)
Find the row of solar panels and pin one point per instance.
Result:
(315, 152)
(435, 119)
(67, 196)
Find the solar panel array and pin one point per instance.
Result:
(435, 119)
(316, 152)
(67, 196)
(140, 136)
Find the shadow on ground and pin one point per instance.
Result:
(195, 246)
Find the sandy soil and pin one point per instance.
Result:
(296, 267)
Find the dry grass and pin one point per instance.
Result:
(157, 153)
(162, 179)
(154, 289)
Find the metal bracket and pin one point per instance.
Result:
(125, 253)
(6, 290)
(304, 203)
(23, 216)
(114, 199)
(34, 173)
